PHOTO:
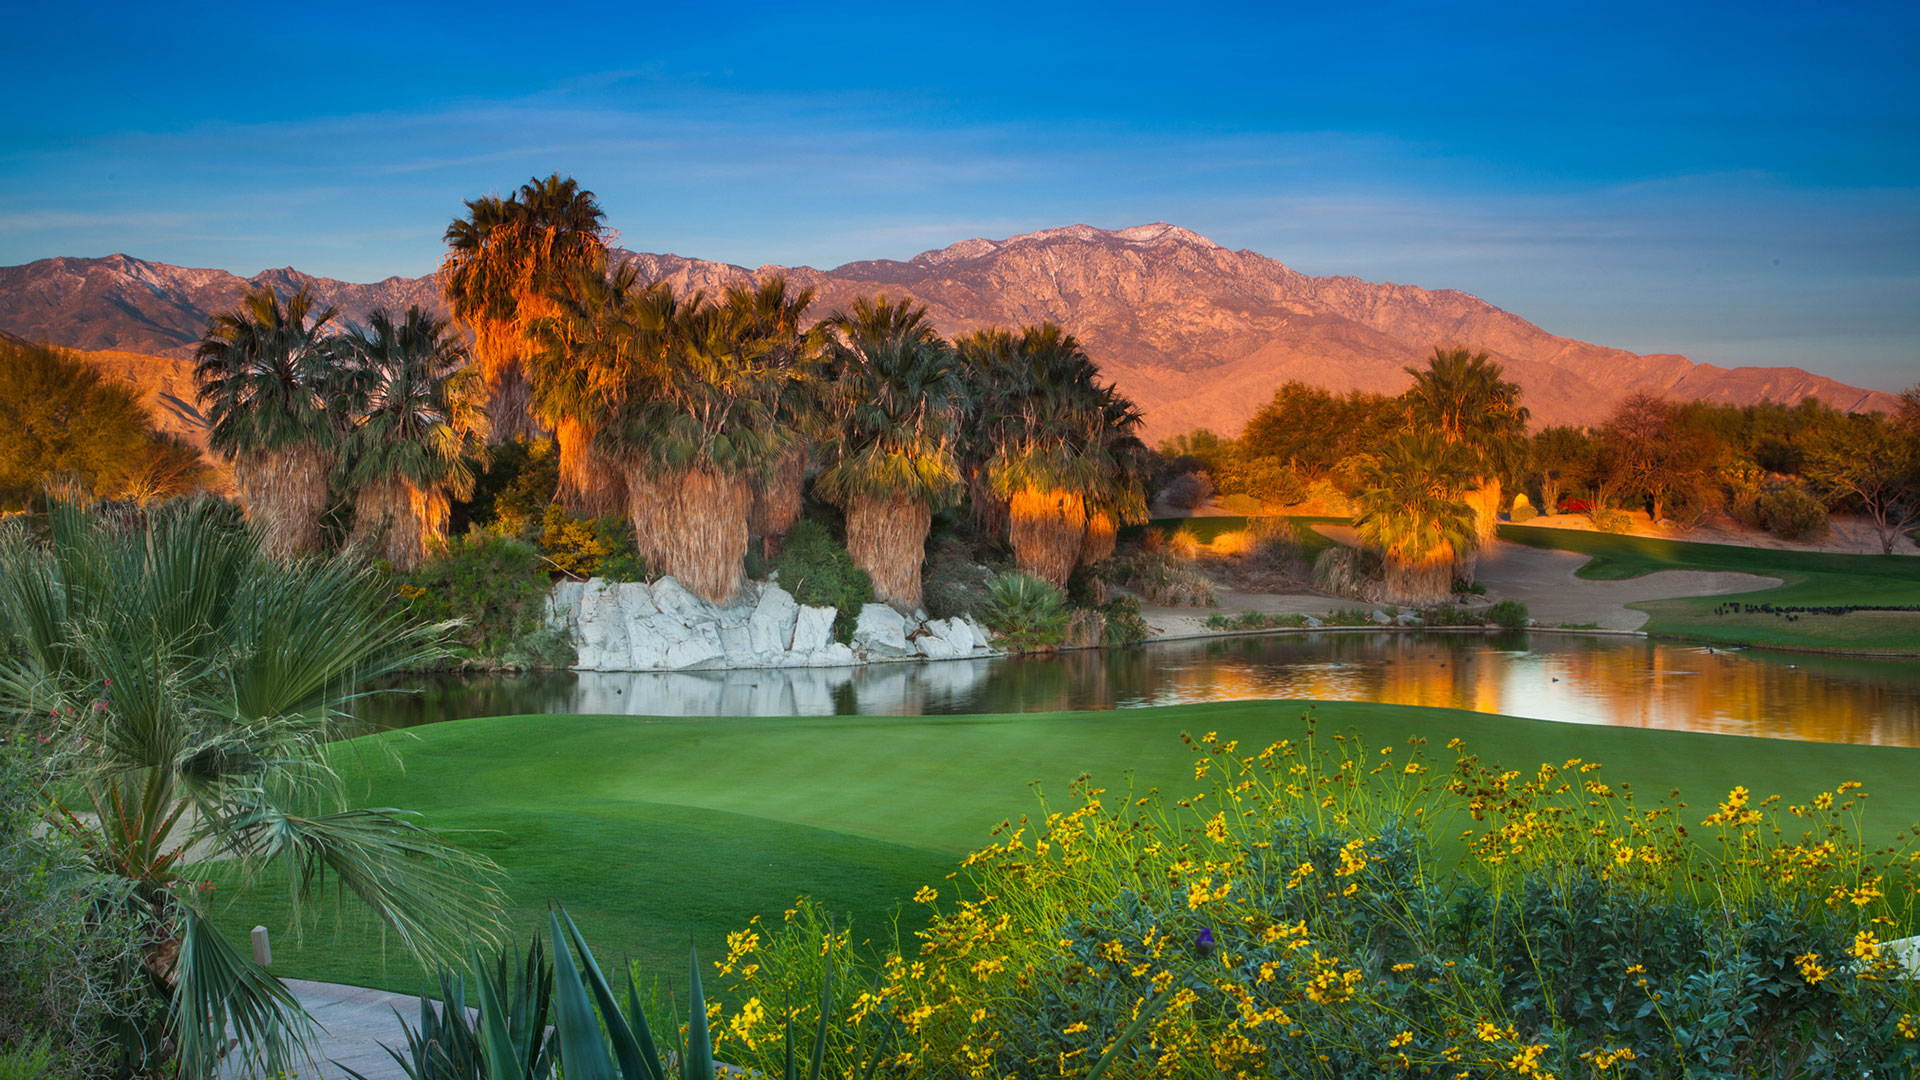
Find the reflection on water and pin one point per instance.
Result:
(1590, 679)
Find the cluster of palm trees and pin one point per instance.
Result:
(389, 412)
(701, 417)
(1430, 496)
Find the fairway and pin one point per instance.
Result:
(652, 830)
(1811, 579)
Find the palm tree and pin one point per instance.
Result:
(508, 262)
(696, 425)
(1411, 507)
(269, 380)
(892, 461)
(770, 317)
(419, 430)
(1064, 451)
(1461, 396)
(995, 379)
(579, 366)
(189, 686)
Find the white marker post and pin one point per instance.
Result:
(262, 951)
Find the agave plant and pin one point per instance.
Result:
(446, 1043)
(190, 686)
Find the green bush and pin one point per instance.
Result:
(1791, 514)
(494, 586)
(1608, 520)
(1124, 623)
(1523, 509)
(818, 572)
(1511, 614)
(514, 491)
(1243, 505)
(590, 547)
(1026, 613)
(952, 584)
(69, 950)
(1352, 911)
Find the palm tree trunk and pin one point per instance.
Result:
(1047, 528)
(650, 507)
(284, 492)
(1102, 533)
(887, 538)
(404, 523)
(990, 516)
(1414, 583)
(705, 542)
(590, 485)
(776, 502)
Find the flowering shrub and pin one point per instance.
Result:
(1336, 911)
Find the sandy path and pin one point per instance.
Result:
(1539, 578)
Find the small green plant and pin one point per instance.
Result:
(1511, 614)
(1523, 510)
(817, 570)
(1608, 520)
(590, 547)
(1026, 613)
(1124, 625)
(1255, 620)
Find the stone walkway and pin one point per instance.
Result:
(356, 1021)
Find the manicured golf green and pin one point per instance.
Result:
(651, 831)
(1812, 579)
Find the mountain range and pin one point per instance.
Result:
(1198, 334)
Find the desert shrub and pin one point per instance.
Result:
(1523, 510)
(1608, 520)
(1254, 620)
(1791, 514)
(1124, 623)
(521, 478)
(494, 586)
(590, 547)
(1189, 490)
(1242, 504)
(952, 583)
(1297, 918)
(1345, 571)
(69, 950)
(1026, 613)
(817, 570)
(1163, 569)
(1511, 614)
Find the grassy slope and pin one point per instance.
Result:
(651, 830)
(1811, 579)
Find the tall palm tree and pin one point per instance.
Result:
(1412, 508)
(1064, 451)
(269, 376)
(579, 366)
(696, 426)
(892, 461)
(995, 379)
(769, 315)
(419, 432)
(189, 687)
(508, 261)
(1461, 396)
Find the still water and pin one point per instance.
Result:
(1587, 679)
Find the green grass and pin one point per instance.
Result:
(651, 831)
(1810, 579)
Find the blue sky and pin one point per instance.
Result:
(1738, 183)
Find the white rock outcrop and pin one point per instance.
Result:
(637, 626)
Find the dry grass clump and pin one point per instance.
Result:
(1165, 569)
(1344, 571)
(888, 538)
(1263, 557)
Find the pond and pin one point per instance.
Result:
(1580, 678)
